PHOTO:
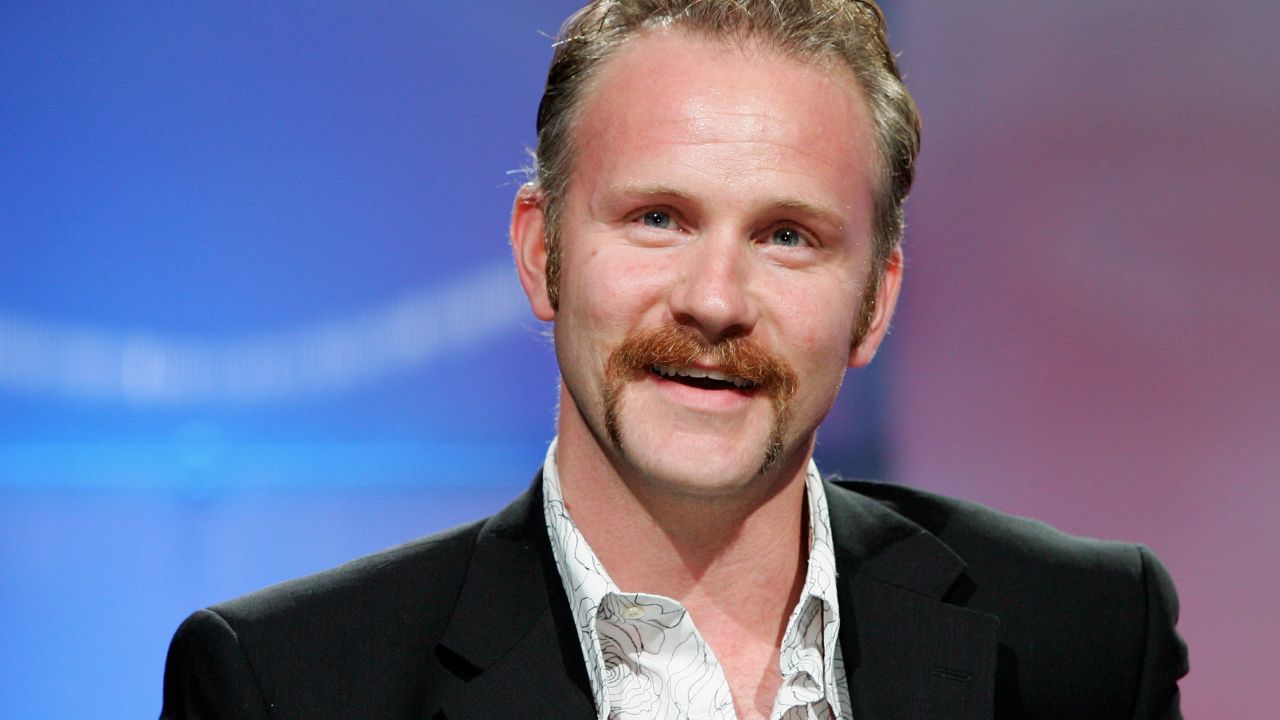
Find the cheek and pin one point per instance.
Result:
(610, 291)
(817, 332)
(827, 346)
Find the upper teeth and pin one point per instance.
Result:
(673, 371)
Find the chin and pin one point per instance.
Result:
(699, 466)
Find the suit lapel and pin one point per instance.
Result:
(513, 649)
(907, 654)
(510, 641)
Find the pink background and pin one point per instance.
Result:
(1091, 326)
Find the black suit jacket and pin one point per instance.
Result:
(948, 610)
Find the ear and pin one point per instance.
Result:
(529, 244)
(886, 300)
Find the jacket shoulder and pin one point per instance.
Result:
(418, 574)
(988, 539)
(1084, 623)
(361, 635)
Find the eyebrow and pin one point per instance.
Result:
(826, 214)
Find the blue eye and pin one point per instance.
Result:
(786, 237)
(659, 219)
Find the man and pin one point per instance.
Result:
(714, 233)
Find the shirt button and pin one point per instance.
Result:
(633, 612)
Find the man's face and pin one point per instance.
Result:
(715, 246)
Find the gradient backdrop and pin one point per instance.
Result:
(257, 315)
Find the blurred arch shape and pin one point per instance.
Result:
(99, 364)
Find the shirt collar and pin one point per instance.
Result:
(586, 582)
(808, 672)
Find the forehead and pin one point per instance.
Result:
(667, 103)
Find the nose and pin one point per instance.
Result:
(713, 293)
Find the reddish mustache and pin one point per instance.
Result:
(682, 346)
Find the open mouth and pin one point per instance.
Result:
(702, 378)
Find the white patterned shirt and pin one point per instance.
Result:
(645, 658)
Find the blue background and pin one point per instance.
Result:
(257, 310)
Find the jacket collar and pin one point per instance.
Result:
(907, 653)
(510, 637)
